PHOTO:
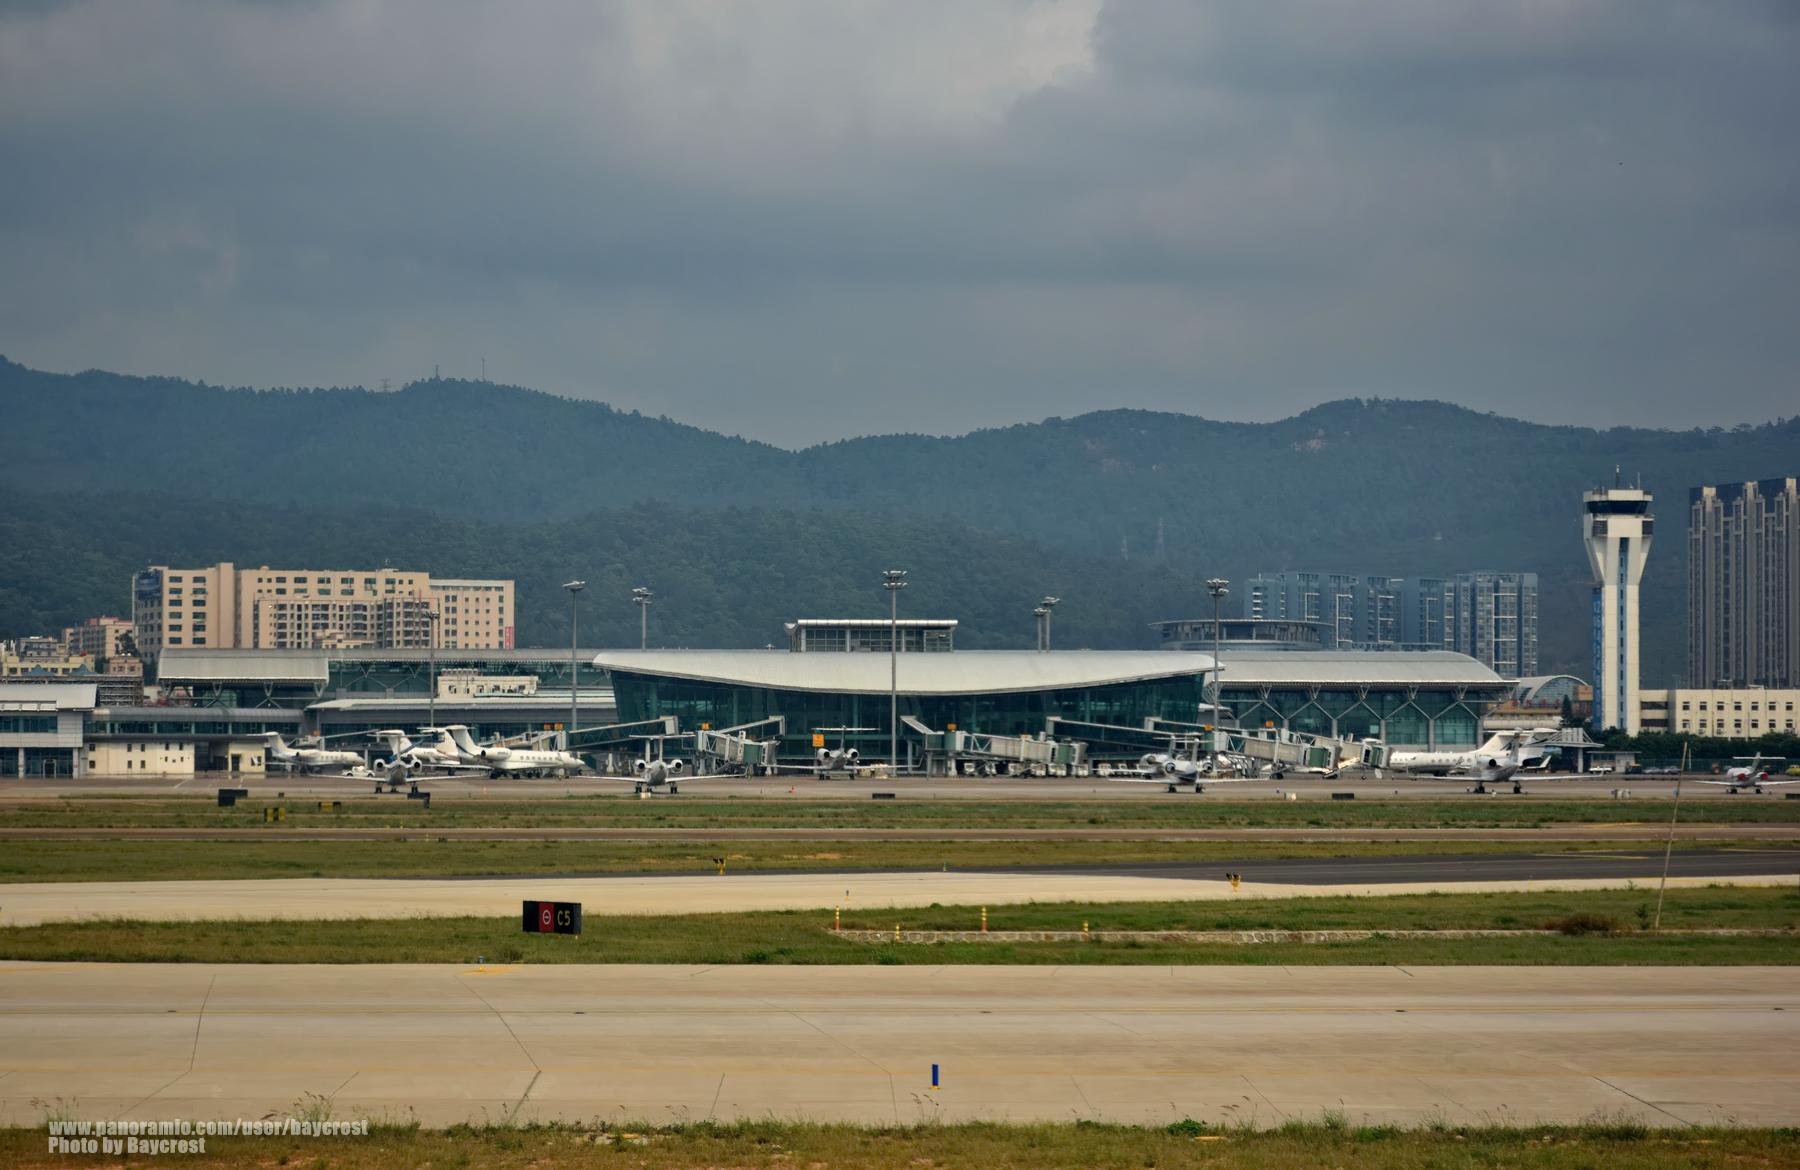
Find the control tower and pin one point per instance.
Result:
(1618, 526)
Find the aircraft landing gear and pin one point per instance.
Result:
(1518, 790)
(673, 789)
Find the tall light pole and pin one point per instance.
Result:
(431, 620)
(574, 588)
(1048, 604)
(1218, 588)
(1040, 613)
(642, 597)
(893, 580)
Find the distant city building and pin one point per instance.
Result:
(1618, 527)
(1490, 616)
(100, 638)
(223, 606)
(1722, 713)
(1744, 584)
(870, 635)
(1496, 620)
(1239, 634)
(41, 657)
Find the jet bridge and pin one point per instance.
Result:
(1281, 751)
(734, 748)
(945, 750)
(612, 737)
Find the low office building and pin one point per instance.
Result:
(1721, 713)
(139, 757)
(41, 727)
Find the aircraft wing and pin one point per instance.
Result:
(1748, 782)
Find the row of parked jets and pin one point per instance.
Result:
(440, 750)
(451, 750)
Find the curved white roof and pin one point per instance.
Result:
(963, 672)
(1344, 667)
(959, 672)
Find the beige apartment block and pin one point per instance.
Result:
(99, 638)
(287, 609)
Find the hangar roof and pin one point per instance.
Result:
(176, 665)
(47, 696)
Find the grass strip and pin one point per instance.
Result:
(1330, 1143)
(133, 860)
(805, 937)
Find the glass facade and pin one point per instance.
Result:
(1404, 717)
(693, 701)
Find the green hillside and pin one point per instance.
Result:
(726, 577)
(503, 478)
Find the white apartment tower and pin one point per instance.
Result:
(1618, 527)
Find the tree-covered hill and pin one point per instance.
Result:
(1355, 485)
(726, 577)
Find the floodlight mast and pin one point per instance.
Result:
(893, 580)
(1218, 588)
(574, 588)
(642, 598)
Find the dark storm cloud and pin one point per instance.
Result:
(808, 220)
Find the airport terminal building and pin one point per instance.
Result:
(834, 682)
(1428, 699)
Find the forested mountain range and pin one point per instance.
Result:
(108, 471)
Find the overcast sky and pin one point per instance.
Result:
(801, 221)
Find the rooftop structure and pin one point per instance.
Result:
(871, 635)
(1240, 633)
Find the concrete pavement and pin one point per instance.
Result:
(29, 903)
(1671, 1046)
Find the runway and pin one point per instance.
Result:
(1670, 1046)
(30, 903)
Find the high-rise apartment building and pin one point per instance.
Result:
(1618, 528)
(282, 609)
(1490, 616)
(1744, 584)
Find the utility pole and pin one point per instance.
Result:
(1674, 815)
(1218, 588)
(574, 588)
(893, 580)
(642, 597)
